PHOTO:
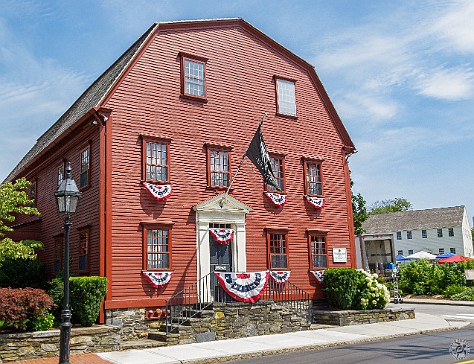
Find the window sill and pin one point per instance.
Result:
(293, 117)
(200, 99)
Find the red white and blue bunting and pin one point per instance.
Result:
(316, 202)
(158, 279)
(276, 198)
(243, 287)
(280, 277)
(159, 192)
(222, 236)
(319, 275)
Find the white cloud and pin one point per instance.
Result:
(448, 84)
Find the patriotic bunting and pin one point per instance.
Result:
(158, 279)
(159, 192)
(243, 287)
(277, 199)
(222, 236)
(280, 277)
(318, 203)
(319, 275)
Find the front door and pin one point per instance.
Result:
(221, 261)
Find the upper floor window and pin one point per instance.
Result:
(450, 231)
(193, 76)
(440, 233)
(156, 247)
(313, 178)
(277, 250)
(409, 234)
(84, 237)
(318, 251)
(33, 192)
(399, 235)
(278, 167)
(156, 160)
(424, 234)
(85, 167)
(60, 175)
(218, 167)
(286, 100)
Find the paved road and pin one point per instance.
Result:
(449, 313)
(424, 348)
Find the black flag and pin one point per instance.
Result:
(257, 153)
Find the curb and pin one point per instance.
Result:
(435, 302)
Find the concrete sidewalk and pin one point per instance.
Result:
(272, 344)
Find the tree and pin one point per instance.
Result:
(14, 201)
(395, 205)
(359, 211)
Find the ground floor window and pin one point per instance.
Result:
(318, 251)
(156, 247)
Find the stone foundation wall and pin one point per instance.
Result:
(32, 345)
(131, 322)
(354, 317)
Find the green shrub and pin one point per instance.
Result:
(56, 292)
(86, 295)
(19, 306)
(340, 286)
(466, 295)
(453, 289)
(22, 273)
(371, 293)
(41, 322)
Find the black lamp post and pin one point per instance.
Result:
(67, 196)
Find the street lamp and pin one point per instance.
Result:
(67, 196)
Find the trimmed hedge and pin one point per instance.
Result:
(86, 295)
(22, 273)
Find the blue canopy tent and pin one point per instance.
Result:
(445, 255)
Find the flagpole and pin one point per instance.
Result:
(240, 165)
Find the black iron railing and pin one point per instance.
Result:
(193, 300)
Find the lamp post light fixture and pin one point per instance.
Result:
(67, 196)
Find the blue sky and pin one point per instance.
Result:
(400, 74)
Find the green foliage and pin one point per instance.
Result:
(41, 322)
(22, 273)
(452, 290)
(395, 205)
(359, 212)
(347, 288)
(20, 306)
(14, 201)
(422, 277)
(86, 295)
(56, 292)
(466, 295)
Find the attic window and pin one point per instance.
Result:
(193, 77)
(285, 95)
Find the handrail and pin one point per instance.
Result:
(199, 296)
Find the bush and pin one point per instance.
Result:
(340, 286)
(41, 322)
(466, 295)
(22, 273)
(371, 294)
(56, 292)
(86, 295)
(18, 307)
(453, 289)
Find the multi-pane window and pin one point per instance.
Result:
(399, 235)
(85, 167)
(450, 231)
(58, 253)
(441, 251)
(218, 167)
(84, 236)
(440, 233)
(193, 76)
(424, 234)
(313, 179)
(278, 167)
(409, 234)
(157, 248)
(286, 100)
(410, 251)
(452, 250)
(399, 252)
(277, 246)
(318, 251)
(156, 161)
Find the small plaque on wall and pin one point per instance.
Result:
(339, 255)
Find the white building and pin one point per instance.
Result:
(437, 231)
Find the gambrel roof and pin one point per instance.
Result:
(414, 220)
(95, 95)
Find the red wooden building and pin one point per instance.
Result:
(178, 110)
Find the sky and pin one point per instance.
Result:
(399, 73)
